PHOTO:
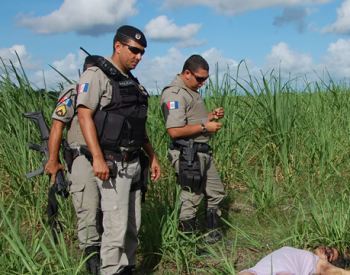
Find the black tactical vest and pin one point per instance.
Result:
(122, 123)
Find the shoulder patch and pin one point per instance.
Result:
(83, 88)
(61, 111)
(172, 105)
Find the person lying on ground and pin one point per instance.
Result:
(292, 261)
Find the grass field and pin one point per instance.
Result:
(282, 154)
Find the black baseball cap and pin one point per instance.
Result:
(133, 34)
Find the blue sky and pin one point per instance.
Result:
(298, 37)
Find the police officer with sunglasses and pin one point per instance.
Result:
(190, 128)
(112, 112)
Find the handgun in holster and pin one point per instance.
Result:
(110, 161)
(188, 150)
(189, 175)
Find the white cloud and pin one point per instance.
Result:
(190, 43)
(69, 67)
(342, 24)
(338, 60)
(160, 71)
(25, 58)
(214, 58)
(87, 17)
(233, 7)
(288, 61)
(155, 73)
(163, 29)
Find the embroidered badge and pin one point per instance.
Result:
(138, 36)
(83, 88)
(61, 111)
(173, 105)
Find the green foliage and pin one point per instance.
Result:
(282, 154)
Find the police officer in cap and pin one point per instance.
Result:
(112, 112)
(83, 184)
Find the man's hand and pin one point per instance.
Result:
(213, 126)
(155, 167)
(51, 169)
(218, 113)
(101, 169)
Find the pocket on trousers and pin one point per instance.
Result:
(77, 192)
(173, 156)
(109, 206)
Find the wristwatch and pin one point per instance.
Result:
(204, 129)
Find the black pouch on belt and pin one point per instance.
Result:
(189, 176)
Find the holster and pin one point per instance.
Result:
(189, 176)
(112, 166)
(143, 182)
(69, 155)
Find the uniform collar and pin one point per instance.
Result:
(110, 60)
(179, 83)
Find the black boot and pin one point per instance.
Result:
(93, 263)
(188, 226)
(127, 270)
(212, 222)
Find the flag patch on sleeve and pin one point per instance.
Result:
(173, 105)
(66, 101)
(83, 88)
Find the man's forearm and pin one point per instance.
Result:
(55, 139)
(147, 146)
(88, 129)
(210, 116)
(186, 131)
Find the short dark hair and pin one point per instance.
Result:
(194, 63)
(120, 38)
(341, 262)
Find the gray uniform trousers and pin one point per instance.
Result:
(121, 218)
(86, 201)
(211, 187)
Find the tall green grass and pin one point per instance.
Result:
(282, 154)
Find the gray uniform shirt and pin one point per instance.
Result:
(181, 106)
(95, 92)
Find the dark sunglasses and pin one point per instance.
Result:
(329, 252)
(199, 78)
(134, 50)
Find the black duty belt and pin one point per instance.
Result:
(123, 156)
(115, 156)
(199, 147)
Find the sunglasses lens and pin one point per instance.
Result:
(136, 50)
(201, 79)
